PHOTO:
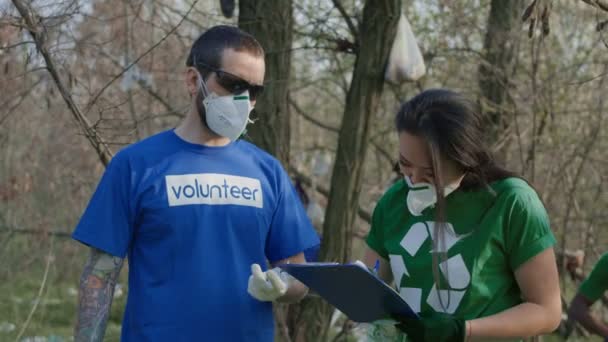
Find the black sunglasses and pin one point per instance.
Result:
(235, 84)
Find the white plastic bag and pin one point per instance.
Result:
(405, 62)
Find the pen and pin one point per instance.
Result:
(376, 266)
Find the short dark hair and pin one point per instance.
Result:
(209, 47)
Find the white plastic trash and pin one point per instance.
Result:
(405, 62)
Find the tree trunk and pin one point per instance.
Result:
(375, 38)
(271, 23)
(500, 56)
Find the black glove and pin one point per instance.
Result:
(433, 327)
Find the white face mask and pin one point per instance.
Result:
(422, 195)
(228, 115)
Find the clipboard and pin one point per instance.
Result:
(352, 289)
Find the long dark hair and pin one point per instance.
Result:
(452, 127)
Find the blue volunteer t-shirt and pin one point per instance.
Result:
(192, 219)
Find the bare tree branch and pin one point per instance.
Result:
(170, 109)
(590, 143)
(49, 259)
(336, 130)
(8, 47)
(308, 117)
(56, 233)
(38, 32)
(195, 23)
(20, 98)
(347, 18)
(12, 21)
(96, 97)
(601, 4)
(363, 214)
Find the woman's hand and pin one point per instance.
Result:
(435, 327)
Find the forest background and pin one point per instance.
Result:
(81, 79)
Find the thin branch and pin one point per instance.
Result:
(39, 34)
(55, 233)
(49, 258)
(336, 130)
(90, 105)
(176, 114)
(363, 214)
(20, 98)
(577, 176)
(347, 18)
(128, 34)
(12, 21)
(315, 121)
(601, 4)
(148, 89)
(384, 153)
(8, 47)
(196, 23)
(593, 78)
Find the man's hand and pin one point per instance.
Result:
(267, 286)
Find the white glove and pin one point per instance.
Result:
(361, 264)
(267, 286)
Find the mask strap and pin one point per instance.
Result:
(202, 85)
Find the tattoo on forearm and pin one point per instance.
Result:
(95, 296)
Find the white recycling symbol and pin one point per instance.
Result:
(458, 277)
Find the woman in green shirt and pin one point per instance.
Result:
(466, 242)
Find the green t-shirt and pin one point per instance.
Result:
(488, 236)
(597, 282)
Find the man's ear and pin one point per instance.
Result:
(191, 80)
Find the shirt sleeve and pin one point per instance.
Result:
(375, 237)
(594, 286)
(528, 232)
(291, 232)
(107, 222)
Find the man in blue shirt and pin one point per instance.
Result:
(199, 213)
